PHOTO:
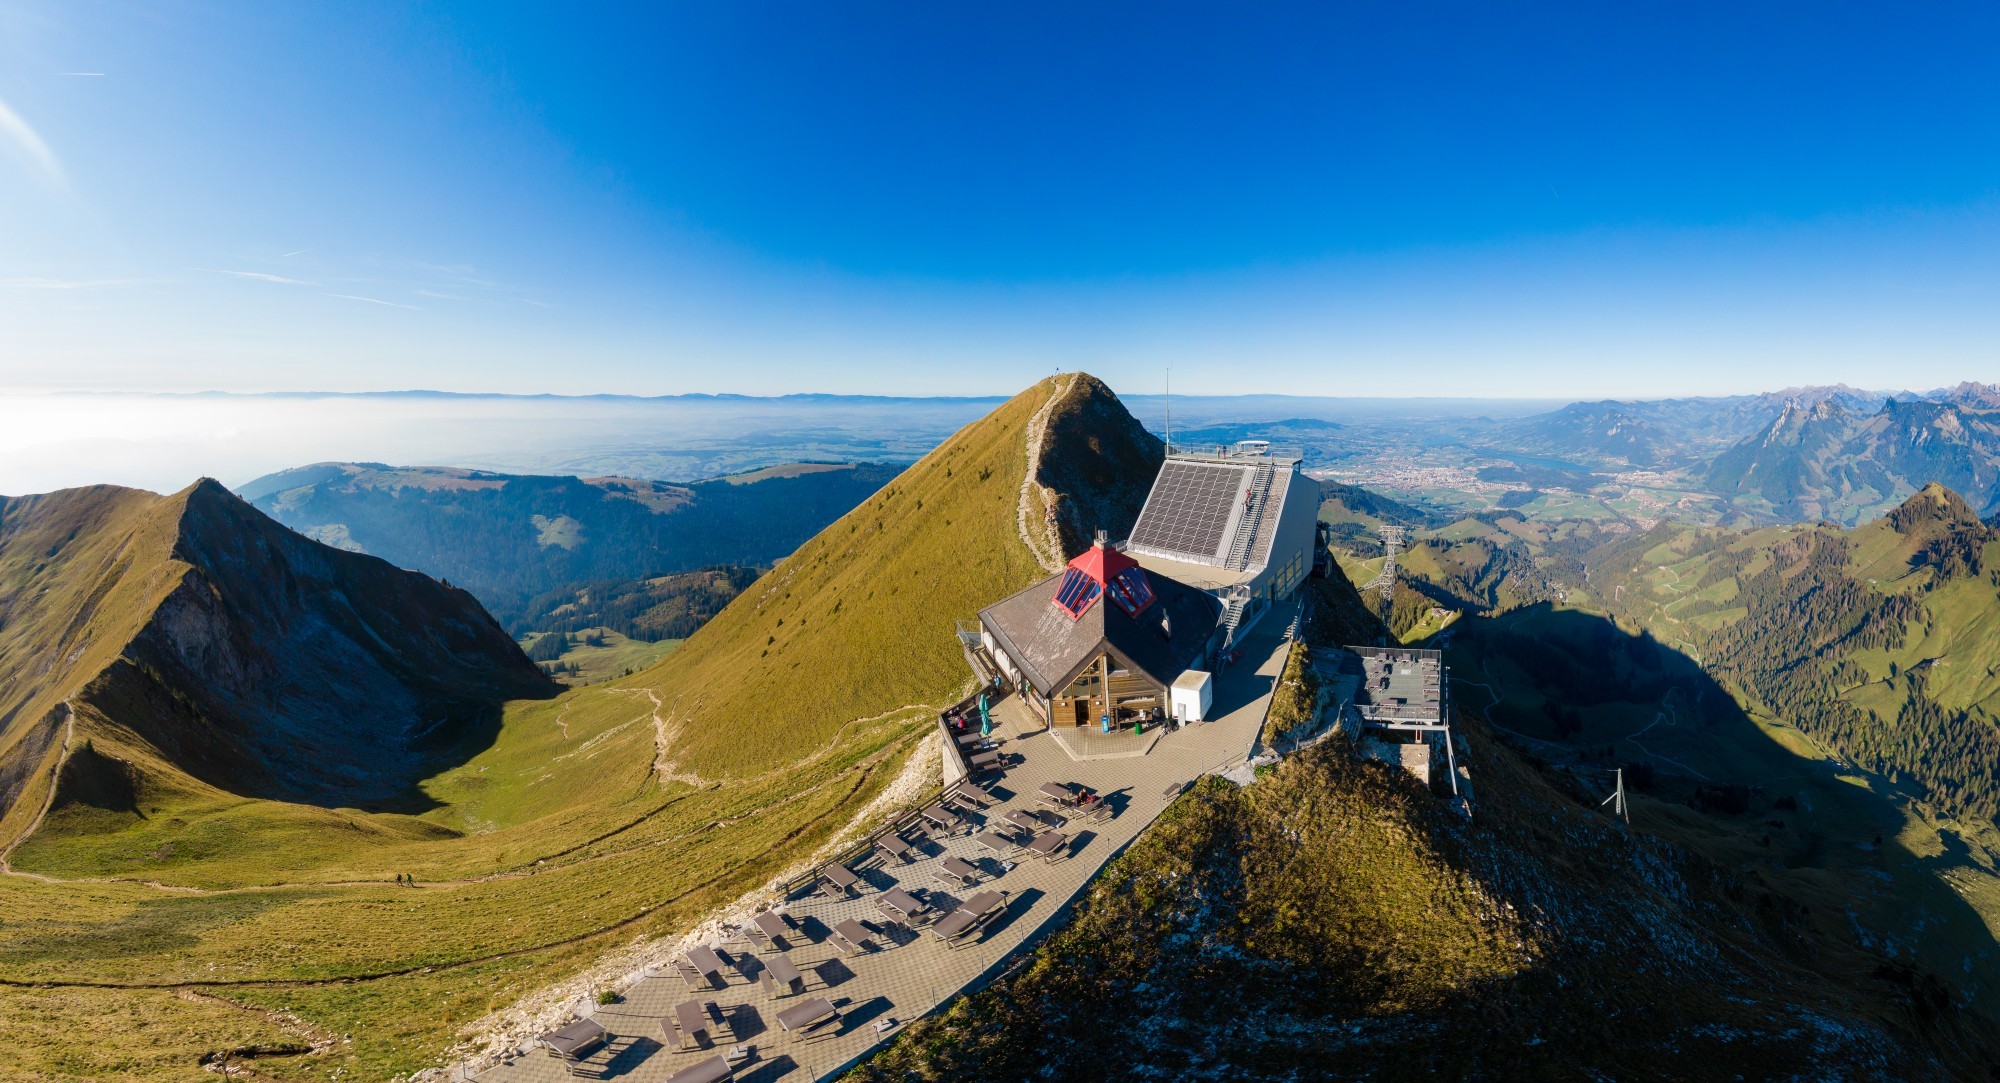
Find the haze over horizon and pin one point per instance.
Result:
(1579, 204)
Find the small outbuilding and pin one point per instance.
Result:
(1193, 693)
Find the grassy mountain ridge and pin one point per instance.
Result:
(510, 538)
(1873, 639)
(1807, 705)
(858, 622)
(604, 817)
(193, 639)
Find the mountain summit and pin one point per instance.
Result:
(1933, 504)
(188, 640)
(858, 622)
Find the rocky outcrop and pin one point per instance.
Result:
(1094, 456)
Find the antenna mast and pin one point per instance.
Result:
(1170, 408)
(1618, 796)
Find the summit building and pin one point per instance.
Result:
(1128, 633)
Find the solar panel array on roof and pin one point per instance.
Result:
(1190, 508)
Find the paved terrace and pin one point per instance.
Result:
(907, 975)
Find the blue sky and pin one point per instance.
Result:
(1379, 199)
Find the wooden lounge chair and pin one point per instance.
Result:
(972, 792)
(837, 881)
(716, 1069)
(997, 842)
(854, 933)
(954, 872)
(901, 907)
(572, 1042)
(957, 928)
(953, 926)
(780, 978)
(690, 1022)
(893, 846)
(1025, 820)
(773, 925)
(709, 962)
(808, 1018)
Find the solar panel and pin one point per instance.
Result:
(1076, 591)
(1190, 508)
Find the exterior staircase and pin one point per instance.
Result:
(1253, 517)
(1233, 606)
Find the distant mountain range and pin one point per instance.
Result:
(1662, 432)
(511, 538)
(1802, 453)
(1819, 460)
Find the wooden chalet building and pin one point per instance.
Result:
(1105, 639)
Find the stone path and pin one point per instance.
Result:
(907, 975)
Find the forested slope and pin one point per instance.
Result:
(1876, 641)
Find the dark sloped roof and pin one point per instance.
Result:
(1049, 645)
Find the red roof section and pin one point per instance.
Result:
(1101, 562)
(1098, 571)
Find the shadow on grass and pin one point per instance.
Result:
(1590, 697)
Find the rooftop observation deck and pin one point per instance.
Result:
(1243, 451)
(1400, 686)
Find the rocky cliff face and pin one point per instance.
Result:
(1787, 464)
(1092, 451)
(207, 640)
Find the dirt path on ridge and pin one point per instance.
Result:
(1044, 550)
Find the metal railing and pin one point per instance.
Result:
(865, 847)
(1229, 453)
